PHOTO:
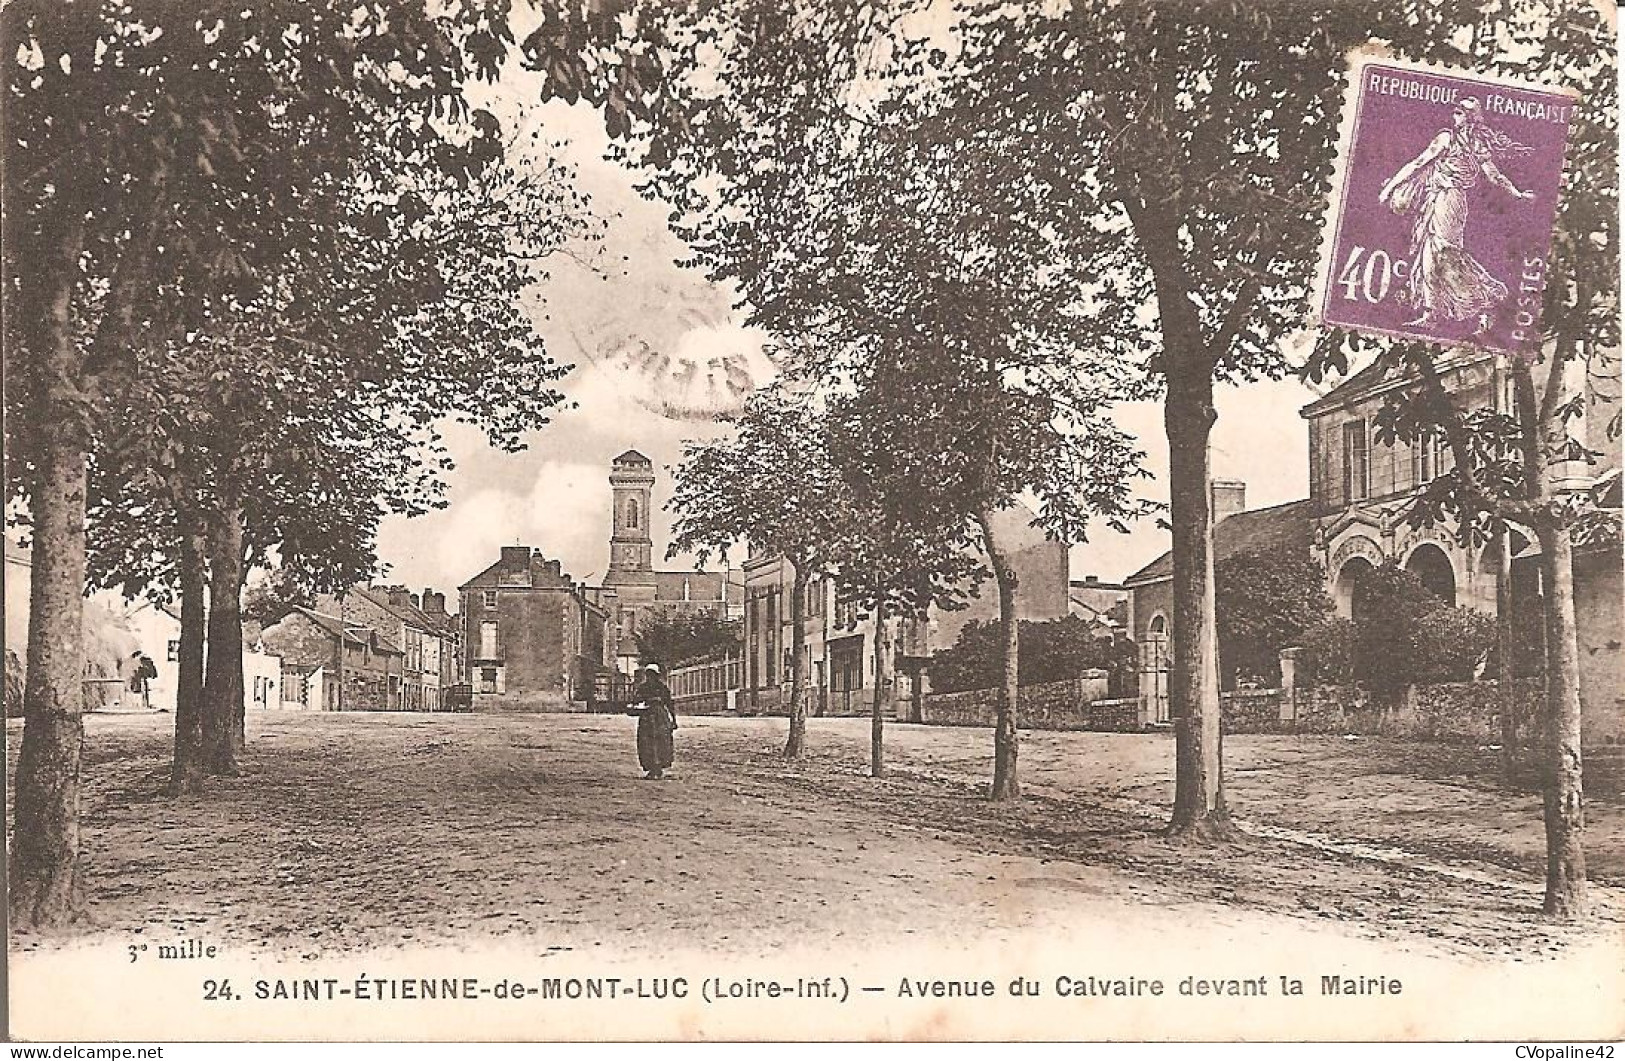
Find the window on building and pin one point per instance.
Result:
(174, 651)
(632, 514)
(1356, 462)
(1427, 459)
(488, 599)
(1159, 625)
(488, 640)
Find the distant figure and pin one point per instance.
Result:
(142, 671)
(657, 720)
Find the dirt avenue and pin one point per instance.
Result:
(356, 831)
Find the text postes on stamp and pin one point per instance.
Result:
(1442, 205)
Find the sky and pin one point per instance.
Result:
(644, 336)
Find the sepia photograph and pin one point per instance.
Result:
(813, 520)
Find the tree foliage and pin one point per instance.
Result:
(1267, 599)
(197, 178)
(1051, 651)
(673, 639)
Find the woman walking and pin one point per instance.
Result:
(657, 721)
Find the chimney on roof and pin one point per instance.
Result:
(399, 597)
(515, 557)
(434, 603)
(1091, 578)
(553, 569)
(1229, 497)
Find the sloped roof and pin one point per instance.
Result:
(1378, 374)
(702, 585)
(331, 624)
(415, 616)
(632, 456)
(541, 577)
(1281, 526)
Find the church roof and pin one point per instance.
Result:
(702, 585)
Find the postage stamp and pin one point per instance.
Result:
(1443, 204)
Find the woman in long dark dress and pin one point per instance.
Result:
(657, 720)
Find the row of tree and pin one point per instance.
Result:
(254, 254)
(982, 229)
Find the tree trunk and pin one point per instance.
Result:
(796, 742)
(877, 754)
(1193, 676)
(1504, 637)
(1006, 741)
(1563, 791)
(223, 682)
(45, 884)
(186, 776)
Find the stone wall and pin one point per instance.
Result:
(1067, 705)
(1253, 711)
(1467, 712)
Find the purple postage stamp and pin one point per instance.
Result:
(1442, 205)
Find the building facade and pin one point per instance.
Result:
(1236, 530)
(633, 591)
(532, 637)
(1354, 520)
(118, 634)
(1359, 489)
(839, 639)
(1103, 605)
(418, 625)
(334, 664)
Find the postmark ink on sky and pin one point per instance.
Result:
(1443, 204)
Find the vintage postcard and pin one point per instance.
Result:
(810, 521)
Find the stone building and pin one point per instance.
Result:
(532, 637)
(838, 655)
(1235, 531)
(418, 625)
(1354, 520)
(334, 664)
(117, 633)
(1358, 490)
(633, 590)
(1103, 605)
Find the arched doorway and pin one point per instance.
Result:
(1346, 590)
(1429, 563)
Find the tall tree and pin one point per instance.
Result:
(769, 486)
(887, 564)
(674, 639)
(1509, 463)
(169, 155)
(810, 164)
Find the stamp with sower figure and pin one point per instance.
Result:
(1442, 206)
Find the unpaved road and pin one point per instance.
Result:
(360, 830)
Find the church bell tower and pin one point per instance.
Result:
(632, 481)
